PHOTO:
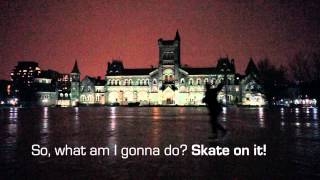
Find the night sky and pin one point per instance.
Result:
(55, 33)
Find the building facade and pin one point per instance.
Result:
(169, 83)
(173, 84)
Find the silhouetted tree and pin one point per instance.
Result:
(305, 70)
(273, 79)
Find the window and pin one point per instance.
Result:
(126, 82)
(182, 81)
(130, 82)
(206, 81)
(198, 82)
(154, 81)
(191, 82)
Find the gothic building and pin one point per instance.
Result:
(173, 84)
(169, 83)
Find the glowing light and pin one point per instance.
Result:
(308, 124)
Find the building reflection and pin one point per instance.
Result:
(12, 130)
(76, 122)
(224, 114)
(315, 113)
(112, 140)
(261, 117)
(44, 126)
(155, 113)
(156, 129)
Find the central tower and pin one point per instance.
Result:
(169, 51)
(169, 64)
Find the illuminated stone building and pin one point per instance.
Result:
(169, 83)
(173, 84)
(45, 87)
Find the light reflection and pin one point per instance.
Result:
(113, 112)
(261, 117)
(224, 114)
(315, 113)
(13, 117)
(155, 113)
(76, 118)
(282, 113)
(182, 110)
(224, 110)
(307, 111)
(308, 124)
(12, 130)
(112, 140)
(13, 114)
(44, 130)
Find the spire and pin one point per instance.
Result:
(177, 36)
(75, 68)
(251, 68)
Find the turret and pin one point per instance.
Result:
(75, 84)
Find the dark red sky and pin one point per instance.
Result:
(55, 33)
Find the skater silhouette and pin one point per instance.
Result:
(214, 108)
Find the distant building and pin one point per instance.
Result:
(92, 91)
(23, 76)
(64, 90)
(6, 93)
(250, 85)
(46, 88)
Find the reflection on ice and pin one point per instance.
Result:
(44, 126)
(224, 112)
(13, 114)
(261, 117)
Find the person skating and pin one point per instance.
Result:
(214, 107)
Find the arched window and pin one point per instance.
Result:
(198, 82)
(147, 82)
(190, 82)
(126, 82)
(154, 82)
(182, 81)
(130, 82)
(213, 81)
(205, 80)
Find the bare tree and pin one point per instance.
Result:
(273, 79)
(305, 70)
